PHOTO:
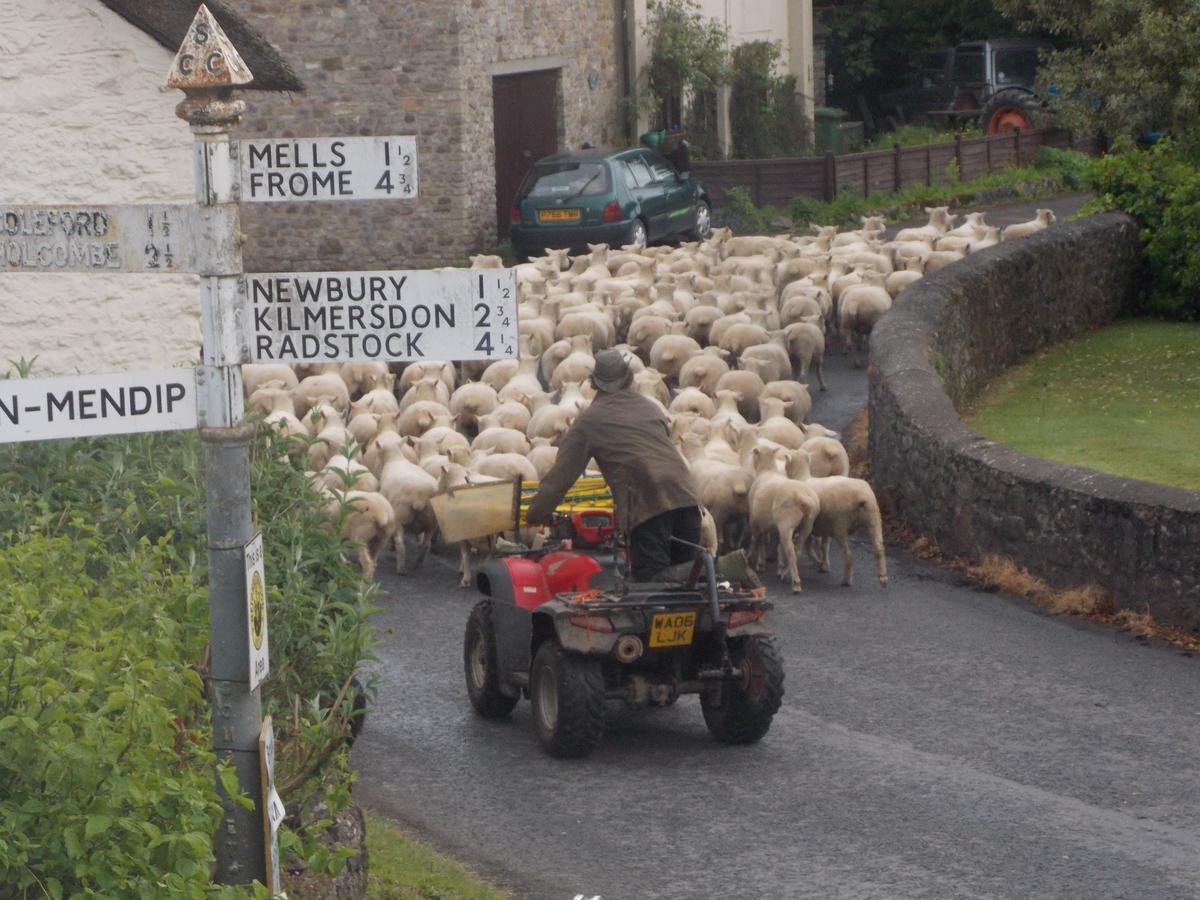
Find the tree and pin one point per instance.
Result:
(689, 53)
(876, 44)
(1130, 67)
(766, 116)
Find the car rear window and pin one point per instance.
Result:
(568, 179)
(663, 170)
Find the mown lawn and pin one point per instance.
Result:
(1125, 400)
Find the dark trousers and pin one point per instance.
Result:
(650, 546)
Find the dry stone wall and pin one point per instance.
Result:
(945, 339)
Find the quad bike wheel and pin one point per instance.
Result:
(480, 667)
(1008, 111)
(741, 712)
(568, 701)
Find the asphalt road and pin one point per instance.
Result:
(934, 741)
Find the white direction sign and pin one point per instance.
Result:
(96, 238)
(41, 409)
(256, 610)
(450, 314)
(335, 168)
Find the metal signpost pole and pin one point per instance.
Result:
(206, 69)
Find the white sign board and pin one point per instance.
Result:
(256, 610)
(96, 238)
(336, 168)
(452, 314)
(42, 409)
(272, 807)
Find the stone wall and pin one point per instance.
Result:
(947, 337)
(420, 67)
(82, 120)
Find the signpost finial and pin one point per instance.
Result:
(207, 59)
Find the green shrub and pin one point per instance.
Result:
(106, 779)
(1160, 188)
(113, 497)
(917, 135)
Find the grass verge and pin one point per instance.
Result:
(401, 868)
(1123, 400)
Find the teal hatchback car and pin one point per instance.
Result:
(570, 200)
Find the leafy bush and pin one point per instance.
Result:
(1160, 188)
(113, 498)
(765, 115)
(106, 776)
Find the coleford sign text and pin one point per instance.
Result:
(457, 314)
(338, 168)
(96, 238)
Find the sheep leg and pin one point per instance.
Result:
(464, 564)
(876, 528)
(787, 555)
(844, 542)
(423, 547)
(816, 364)
(401, 554)
(365, 563)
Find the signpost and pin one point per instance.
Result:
(301, 317)
(333, 168)
(41, 409)
(97, 238)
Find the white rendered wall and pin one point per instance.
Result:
(82, 120)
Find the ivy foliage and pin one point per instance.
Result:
(102, 550)
(1130, 69)
(766, 116)
(688, 52)
(1160, 188)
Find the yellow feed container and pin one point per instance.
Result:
(475, 511)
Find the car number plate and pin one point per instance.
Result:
(672, 629)
(559, 215)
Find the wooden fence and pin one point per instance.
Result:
(779, 181)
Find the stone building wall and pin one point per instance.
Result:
(580, 38)
(420, 67)
(945, 339)
(82, 120)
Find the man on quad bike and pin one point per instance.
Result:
(652, 489)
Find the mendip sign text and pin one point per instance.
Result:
(39, 409)
(340, 168)
(456, 314)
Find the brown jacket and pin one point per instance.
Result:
(629, 436)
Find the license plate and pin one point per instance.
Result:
(672, 629)
(559, 215)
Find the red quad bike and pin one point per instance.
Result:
(550, 629)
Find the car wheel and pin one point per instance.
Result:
(480, 666)
(741, 712)
(637, 234)
(703, 227)
(567, 690)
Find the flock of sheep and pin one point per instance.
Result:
(723, 334)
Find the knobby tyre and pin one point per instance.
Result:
(481, 667)
(567, 690)
(741, 712)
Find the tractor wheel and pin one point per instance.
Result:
(480, 666)
(741, 713)
(567, 690)
(1010, 110)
